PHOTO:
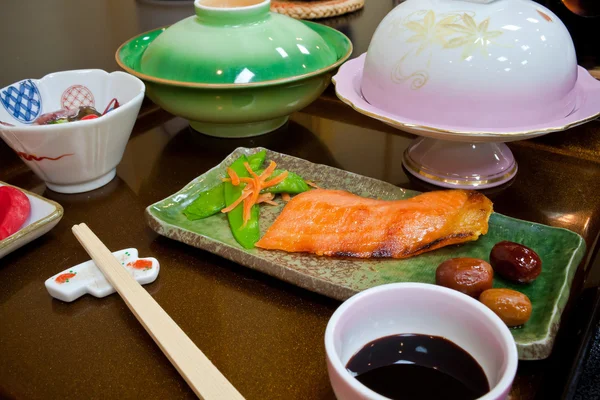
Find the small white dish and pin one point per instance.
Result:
(422, 309)
(77, 156)
(86, 277)
(44, 215)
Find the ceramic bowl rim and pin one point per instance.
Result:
(512, 357)
(200, 85)
(260, 3)
(90, 122)
(352, 97)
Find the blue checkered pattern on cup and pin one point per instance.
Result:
(22, 101)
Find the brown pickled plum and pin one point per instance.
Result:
(470, 276)
(515, 262)
(514, 308)
(83, 112)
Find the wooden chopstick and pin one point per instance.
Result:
(203, 377)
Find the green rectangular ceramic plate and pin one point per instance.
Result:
(560, 250)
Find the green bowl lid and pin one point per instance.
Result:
(239, 45)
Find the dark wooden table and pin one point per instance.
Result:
(265, 335)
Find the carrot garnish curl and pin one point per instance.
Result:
(233, 205)
(267, 198)
(275, 181)
(249, 202)
(235, 179)
(254, 185)
(268, 171)
(312, 184)
(249, 169)
(286, 197)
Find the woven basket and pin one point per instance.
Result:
(315, 9)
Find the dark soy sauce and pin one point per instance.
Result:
(423, 367)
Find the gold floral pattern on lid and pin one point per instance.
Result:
(428, 33)
(472, 36)
(452, 31)
(417, 78)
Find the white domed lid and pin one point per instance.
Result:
(503, 63)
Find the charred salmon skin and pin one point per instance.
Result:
(339, 223)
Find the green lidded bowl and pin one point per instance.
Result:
(235, 69)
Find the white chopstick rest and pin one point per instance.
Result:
(86, 277)
(203, 377)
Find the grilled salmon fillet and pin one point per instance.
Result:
(339, 223)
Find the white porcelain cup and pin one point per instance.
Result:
(422, 309)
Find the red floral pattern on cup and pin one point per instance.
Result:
(76, 96)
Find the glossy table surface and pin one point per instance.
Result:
(265, 335)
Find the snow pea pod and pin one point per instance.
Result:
(248, 234)
(212, 200)
(256, 160)
(208, 203)
(292, 184)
